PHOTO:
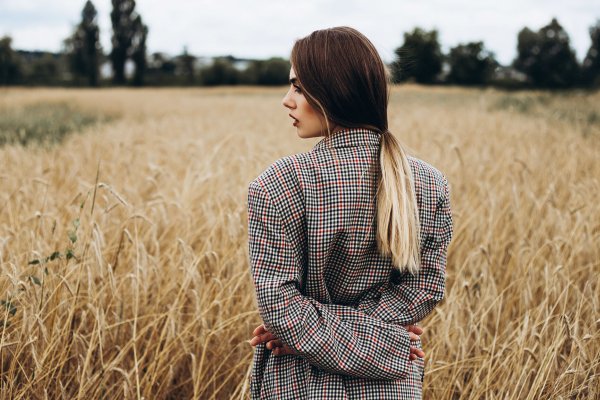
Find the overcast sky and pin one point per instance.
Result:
(265, 28)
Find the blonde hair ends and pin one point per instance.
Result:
(398, 226)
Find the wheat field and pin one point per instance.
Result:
(124, 260)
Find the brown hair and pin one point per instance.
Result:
(343, 76)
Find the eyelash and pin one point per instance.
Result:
(297, 89)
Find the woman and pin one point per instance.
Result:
(347, 241)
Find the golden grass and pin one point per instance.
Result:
(158, 301)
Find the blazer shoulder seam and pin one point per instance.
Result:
(439, 178)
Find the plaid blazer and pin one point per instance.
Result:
(321, 285)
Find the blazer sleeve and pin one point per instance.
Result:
(412, 297)
(337, 339)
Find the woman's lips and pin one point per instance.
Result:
(295, 120)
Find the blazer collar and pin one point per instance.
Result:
(350, 137)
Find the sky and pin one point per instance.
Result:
(268, 28)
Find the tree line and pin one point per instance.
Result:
(545, 59)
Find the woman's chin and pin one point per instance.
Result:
(306, 135)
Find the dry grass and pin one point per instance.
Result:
(157, 300)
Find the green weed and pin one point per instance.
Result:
(44, 123)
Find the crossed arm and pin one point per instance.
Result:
(369, 341)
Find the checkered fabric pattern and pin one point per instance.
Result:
(321, 285)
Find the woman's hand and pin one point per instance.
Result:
(262, 335)
(414, 332)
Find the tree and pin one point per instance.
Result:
(471, 64)
(546, 56)
(83, 47)
(46, 70)
(419, 58)
(161, 69)
(138, 50)
(591, 63)
(128, 40)
(274, 71)
(10, 65)
(186, 62)
(221, 72)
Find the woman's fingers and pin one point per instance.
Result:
(274, 344)
(265, 337)
(280, 351)
(262, 335)
(414, 353)
(259, 330)
(414, 329)
(283, 350)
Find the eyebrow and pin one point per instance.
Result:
(293, 81)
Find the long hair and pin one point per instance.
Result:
(343, 77)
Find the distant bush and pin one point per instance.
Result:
(471, 64)
(225, 71)
(274, 71)
(220, 72)
(44, 123)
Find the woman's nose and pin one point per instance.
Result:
(287, 101)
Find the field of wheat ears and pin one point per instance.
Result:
(124, 270)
